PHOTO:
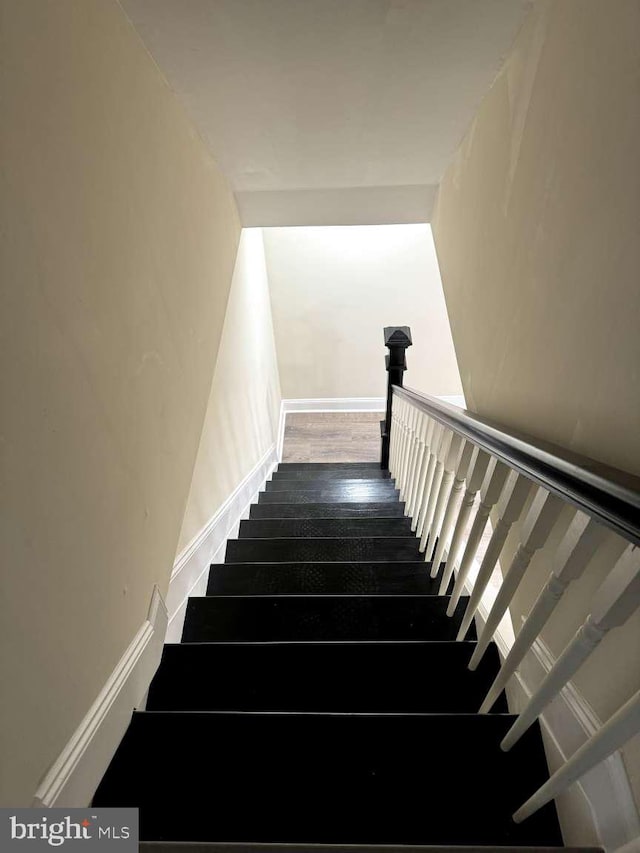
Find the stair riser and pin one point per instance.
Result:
(322, 579)
(338, 487)
(328, 466)
(328, 475)
(371, 509)
(302, 618)
(341, 677)
(322, 550)
(328, 496)
(332, 528)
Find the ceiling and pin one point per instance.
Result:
(330, 111)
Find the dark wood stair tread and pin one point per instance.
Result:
(323, 549)
(316, 578)
(323, 527)
(329, 778)
(310, 509)
(428, 677)
(338, 486)
(330, 474)
(330, 494)
(323, 617)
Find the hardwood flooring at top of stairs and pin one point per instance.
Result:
(332, 437)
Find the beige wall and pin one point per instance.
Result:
(241, 424)
(334, 289)
(118, 244)
(536, 230)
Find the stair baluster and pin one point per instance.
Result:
(510, 507)
(474, 481)
(581, 541)
(436, 438)
(490, 492)
(450, 464)
(464, 463)
(417, 465)
(537, 526)
(615, 601)
(438, 473)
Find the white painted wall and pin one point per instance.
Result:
(333, 289)
(118, 238)
(536, 229)
(241, 423)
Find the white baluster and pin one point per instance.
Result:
(442, 452)
(464, 461)
(614, 602)
(404, 451)
(582, 539)
(479, 465)
(417, 467)
(404, 431)
(413, 452)
(414, 414)
(449, 467)
(510, 506)
(403, 412)
(490, 492)
(537, 526)
(422, 475)
(436, 438)
(394, 436)
(624, 724)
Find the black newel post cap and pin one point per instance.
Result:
(397, 336)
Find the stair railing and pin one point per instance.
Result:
(442, 457)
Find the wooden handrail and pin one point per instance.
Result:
(608, 494)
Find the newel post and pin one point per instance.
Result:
(397, 338)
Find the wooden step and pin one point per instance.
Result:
(331, 528)
(400, 677)
(329, 778)
(389, 578)
(330, 495)
(331, 474)
(247, 618)
(341, 486)
(352, 509)
(319, 549)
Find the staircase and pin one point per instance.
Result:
(318, 696)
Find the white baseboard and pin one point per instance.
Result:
(568, 722)
(189, 575)
(335, 404)
(76, 773)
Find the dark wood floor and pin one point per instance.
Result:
(332, 437)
